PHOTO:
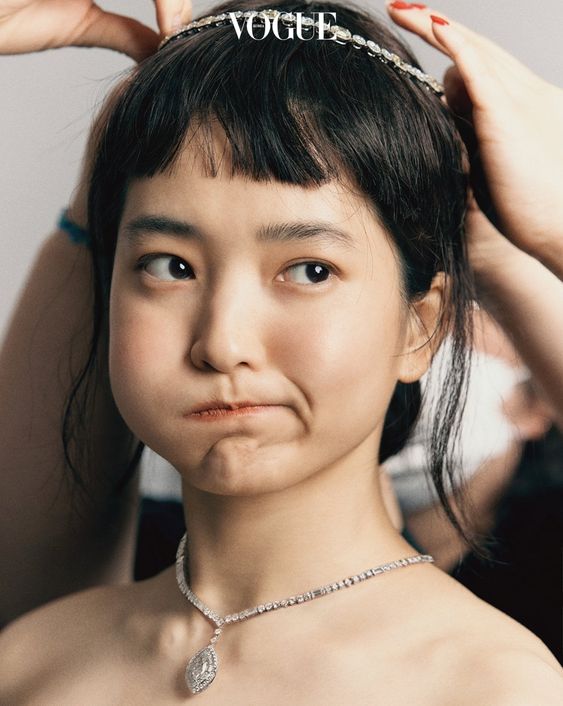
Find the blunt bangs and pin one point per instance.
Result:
(302, 113)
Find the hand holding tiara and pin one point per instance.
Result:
(511, 120)
(30, 26)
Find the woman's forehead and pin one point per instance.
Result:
(238, 205)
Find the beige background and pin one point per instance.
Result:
(47, 100)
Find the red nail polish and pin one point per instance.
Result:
(439, 20)
(400, 5)
(419, 5)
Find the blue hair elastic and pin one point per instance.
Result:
(78, 235)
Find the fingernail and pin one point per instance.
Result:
(400, 5)
(439, 20)
(419, 5)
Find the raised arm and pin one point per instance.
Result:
(526, 299)
(54, 537)
(510, 119)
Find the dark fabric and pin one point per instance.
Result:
(524, 579)
(161, 526)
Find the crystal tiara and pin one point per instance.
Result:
(340, 35)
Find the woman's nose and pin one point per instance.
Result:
(226, 333)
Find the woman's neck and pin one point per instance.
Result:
(243, 551)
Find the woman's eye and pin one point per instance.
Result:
(308, 273)
(170, 268)
(166, 267)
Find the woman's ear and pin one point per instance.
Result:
(424, 331)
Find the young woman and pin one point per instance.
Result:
(276, 260)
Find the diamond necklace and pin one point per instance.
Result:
(202, 667)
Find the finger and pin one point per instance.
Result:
(117, 32)
(484, 67)
(477, 226)
(456, 93)
(485, 239)
(480, 186)
(171, 14)
(417, 18)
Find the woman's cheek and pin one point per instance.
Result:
(345, 356)
(139, 350)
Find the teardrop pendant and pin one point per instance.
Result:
(202, 669)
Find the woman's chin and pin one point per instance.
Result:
(241, 466)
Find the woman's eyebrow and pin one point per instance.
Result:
(142, 228)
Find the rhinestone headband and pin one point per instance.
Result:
(340, 35)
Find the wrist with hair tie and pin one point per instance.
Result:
(76, 233)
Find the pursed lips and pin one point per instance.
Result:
(214, 410)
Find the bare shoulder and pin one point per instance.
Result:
(467, 652)
(467, 671)
(500, 662)
(508, 676)
(92, 648)
(62, 638)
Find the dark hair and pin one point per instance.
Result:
(304, 113)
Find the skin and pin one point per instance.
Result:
(515, 117)
(279, 502)
(43, 347)
(249, 325)
(531, 418)
(509, 279)
(524, 297)
(516, 675)
(36, 25)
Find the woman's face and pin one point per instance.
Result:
(230, 290)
